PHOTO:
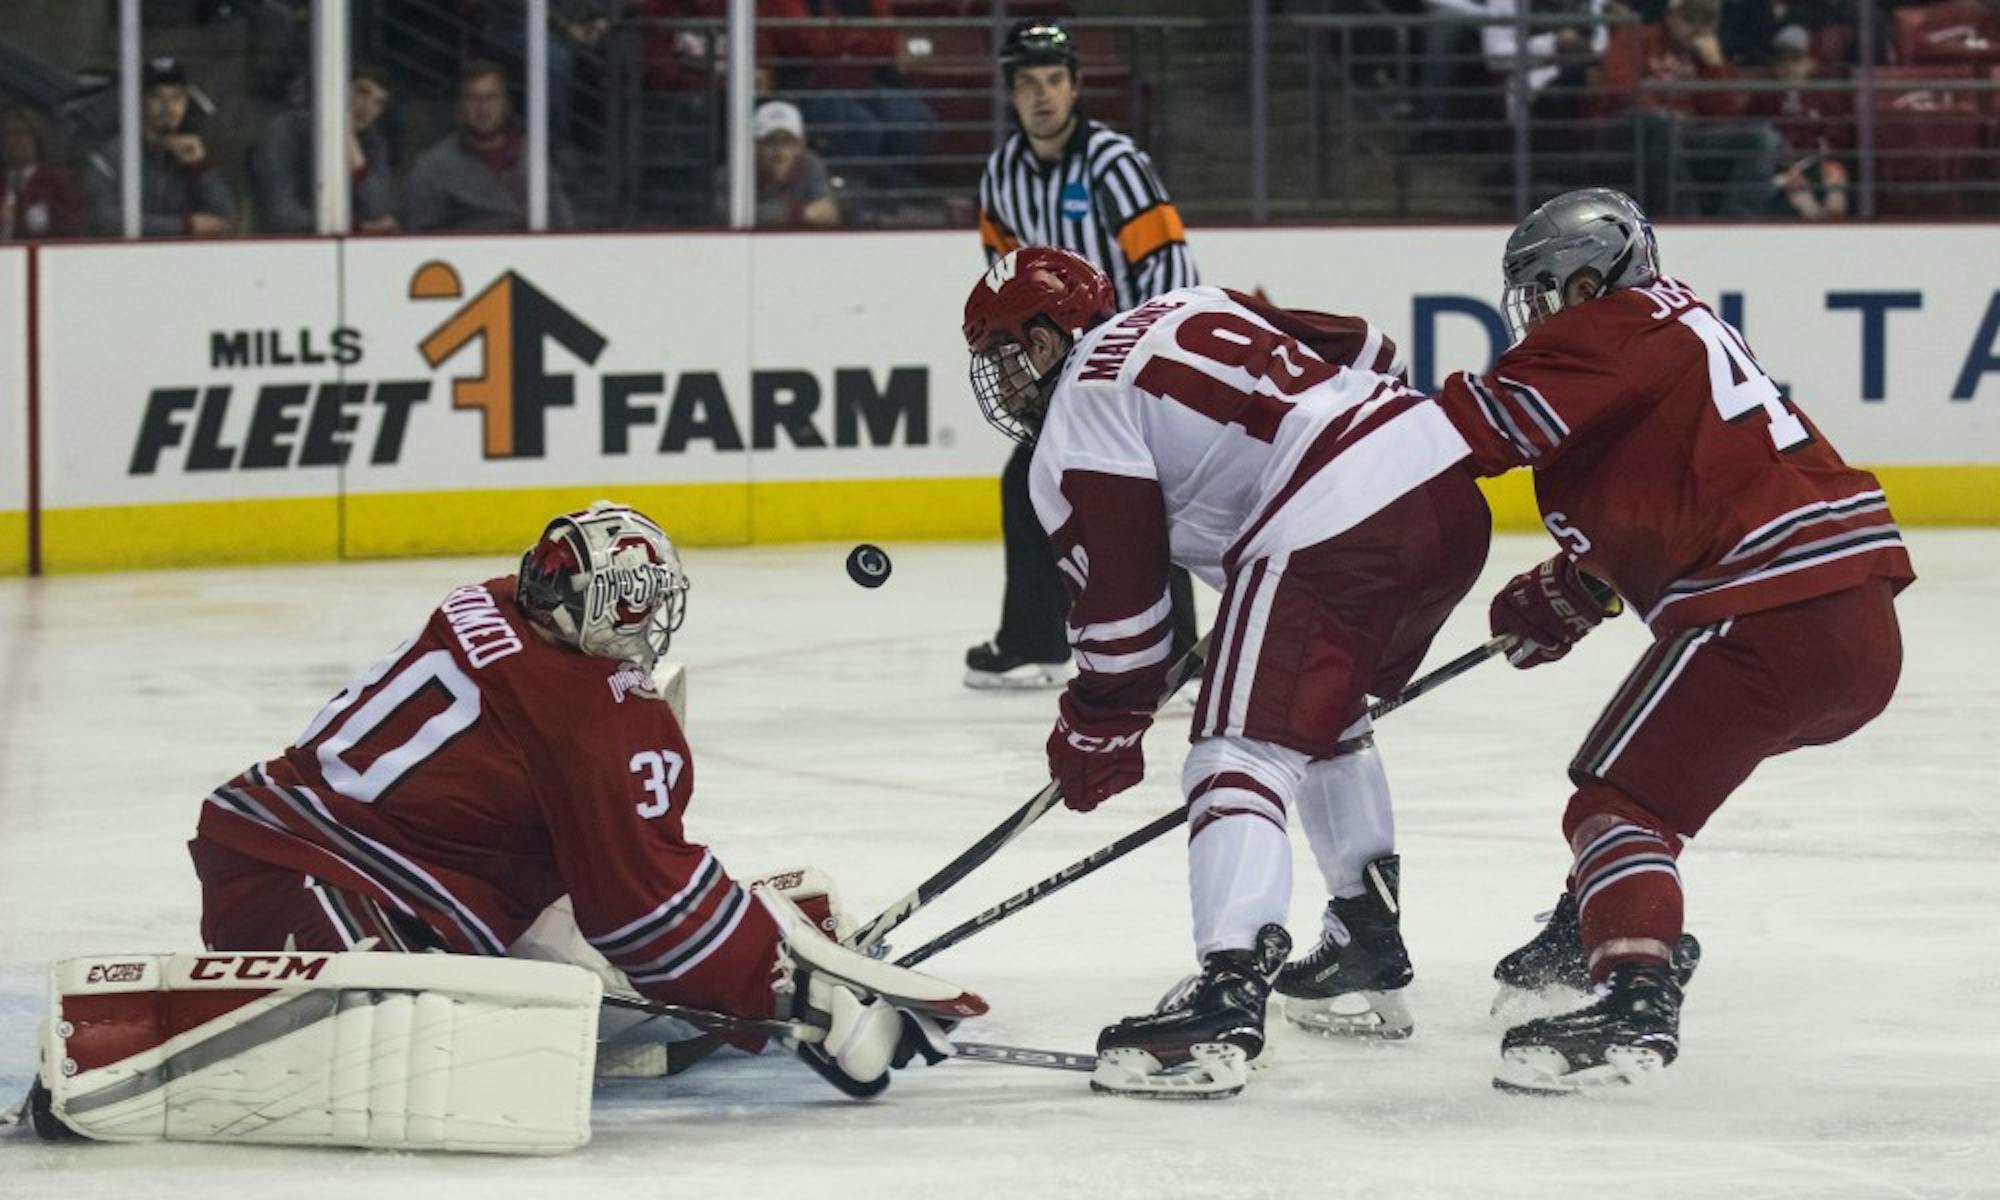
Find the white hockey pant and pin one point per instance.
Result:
(1239, 857)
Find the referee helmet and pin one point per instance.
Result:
(1037, 44)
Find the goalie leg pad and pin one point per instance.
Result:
(412, 1052)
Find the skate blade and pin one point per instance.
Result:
(1216, 1070)
(1542, 1071)
(1375, 1016)
(1025, 678)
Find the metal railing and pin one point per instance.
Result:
(1250, 114)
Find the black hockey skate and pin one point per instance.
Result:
(1199, 1043)
(1630, 1032)
(987, 666)
(1554, 958)
(1355, 990)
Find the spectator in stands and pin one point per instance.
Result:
(477, 178)
(793, 188)
(38, 198)
(180, 191)
(576, 31)
(1546, 57)
(846, 82)
(1817, 125)
(1698, 153)
(282, 170)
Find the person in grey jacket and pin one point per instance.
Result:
(180, 192)
(282, 171)
(477, 179)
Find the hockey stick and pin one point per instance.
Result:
(1132, 841)
(701, 1018)
(716, 1022)
(957, 869)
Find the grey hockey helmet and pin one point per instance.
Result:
(1595, 229)
(605, 581)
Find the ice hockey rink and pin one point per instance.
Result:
(1841, 1040)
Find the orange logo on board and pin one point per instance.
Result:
(513, 320)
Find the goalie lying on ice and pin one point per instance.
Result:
(516, 750)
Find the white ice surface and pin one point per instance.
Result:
(1842, 1039)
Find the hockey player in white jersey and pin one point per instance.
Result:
(1277, 455)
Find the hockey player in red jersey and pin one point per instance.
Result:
(1669, 465)
(1275, 454)
(516, 751)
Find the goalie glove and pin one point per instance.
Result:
(810, 891)
(1548, 608)
(1094, 756)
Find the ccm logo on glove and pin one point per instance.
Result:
(1094, 756)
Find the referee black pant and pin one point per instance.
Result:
(1035, 607)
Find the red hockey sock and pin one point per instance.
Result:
(1626, 884)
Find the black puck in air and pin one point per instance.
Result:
(868, 566)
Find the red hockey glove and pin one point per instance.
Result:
(1094, 757)
(1548, 609)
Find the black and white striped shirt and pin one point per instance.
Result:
(1103, 200)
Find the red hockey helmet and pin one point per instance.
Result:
(1034, 285)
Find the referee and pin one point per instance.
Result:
(1064, 180)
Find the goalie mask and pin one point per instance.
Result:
(1029, 287)
(1594, 229)
(607, 582)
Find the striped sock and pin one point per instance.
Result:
(1628, 895)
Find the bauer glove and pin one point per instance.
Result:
(1095, 756)
(1548, 608)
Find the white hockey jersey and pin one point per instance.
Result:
(1208, 428)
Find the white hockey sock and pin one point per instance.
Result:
(1239, 873)
(1239, 855)
(1345, 807)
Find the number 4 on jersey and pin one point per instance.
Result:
(1738, 384)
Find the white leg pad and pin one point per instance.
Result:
(399, 1051)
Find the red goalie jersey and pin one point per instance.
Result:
(1671, 465)
(480, 772)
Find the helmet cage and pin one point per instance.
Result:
(1013, 398)
(607, 582)
(1526, 304)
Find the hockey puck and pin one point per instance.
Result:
(868, 566)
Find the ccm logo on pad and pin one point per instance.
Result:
(275, 967)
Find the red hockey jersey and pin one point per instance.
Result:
(1671, 465)
(478, 773)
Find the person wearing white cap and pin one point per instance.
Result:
(792, 184)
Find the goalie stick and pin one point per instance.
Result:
(1132, 841)
(867, 936)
